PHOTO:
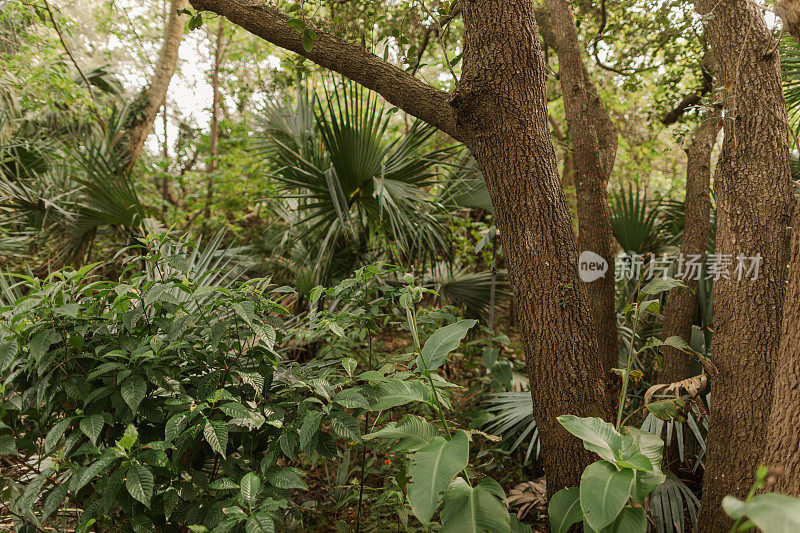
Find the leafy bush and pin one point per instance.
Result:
(164, 401)
(148, 409)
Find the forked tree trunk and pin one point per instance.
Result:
(501, 105)
(594, 141)
(754, 201)
(155, 94)
(681, 306)
(499, 112)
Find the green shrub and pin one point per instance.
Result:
(157, 400)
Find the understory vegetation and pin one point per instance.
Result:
(399, 272)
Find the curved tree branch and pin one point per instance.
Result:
(352, 61)
(690, 100)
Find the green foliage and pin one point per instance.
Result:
(635, 223)
(152, 408)
(356, 188)
(770, 513)
(611, 490)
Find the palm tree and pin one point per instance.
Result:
(362, 192)
(55, 194)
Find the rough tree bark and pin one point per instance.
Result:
(681, 304)
(754, 200)
(594, 141)
(783, 439)
(154, 95)
(500, 113)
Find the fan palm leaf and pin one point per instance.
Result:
(635, 221)
(357, 187)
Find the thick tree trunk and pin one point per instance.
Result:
(155, 94)
(681, 304)
(754, 199)
(783, 437)
(213, 135)
(499, 112)
(501, 106)
(594, 141)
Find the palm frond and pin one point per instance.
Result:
(468, 290)
(512, 415)
(668, 506)
(635, 221)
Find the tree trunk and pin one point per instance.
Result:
(155, 94)
(681, 304)
(213, 135)
(501, 104)
(594, 141)
(783, 439)
(567, 170)
(754, 199)
(499, 111)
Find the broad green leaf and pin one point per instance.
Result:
(250, 487)
(678, 342)
(174, 426)
(771, 513)
(648, 444)
(476, 509)
(395, 393)
(86, 474)
(54, 499)
(604, 491)
(564, 509)
(669, 409)
(345, 426)
(431, 469)
(597, 435)
(309, 38)
(41, 342)
(70, 310)
(139, 482)
(644, 483)
(235, 410)
(349, 365)
(91, 426)
(351, 399)
(216, 434)
(636, 461)
(8, 349)
(31, 493)
(309, 427)
(659, 285)
(259, 523)
(413, 431)
(8, 445)
(441, 343)
(287, 478)
(630, 520)
(223, 484)
(133, 391)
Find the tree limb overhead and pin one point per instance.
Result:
(352, 61)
